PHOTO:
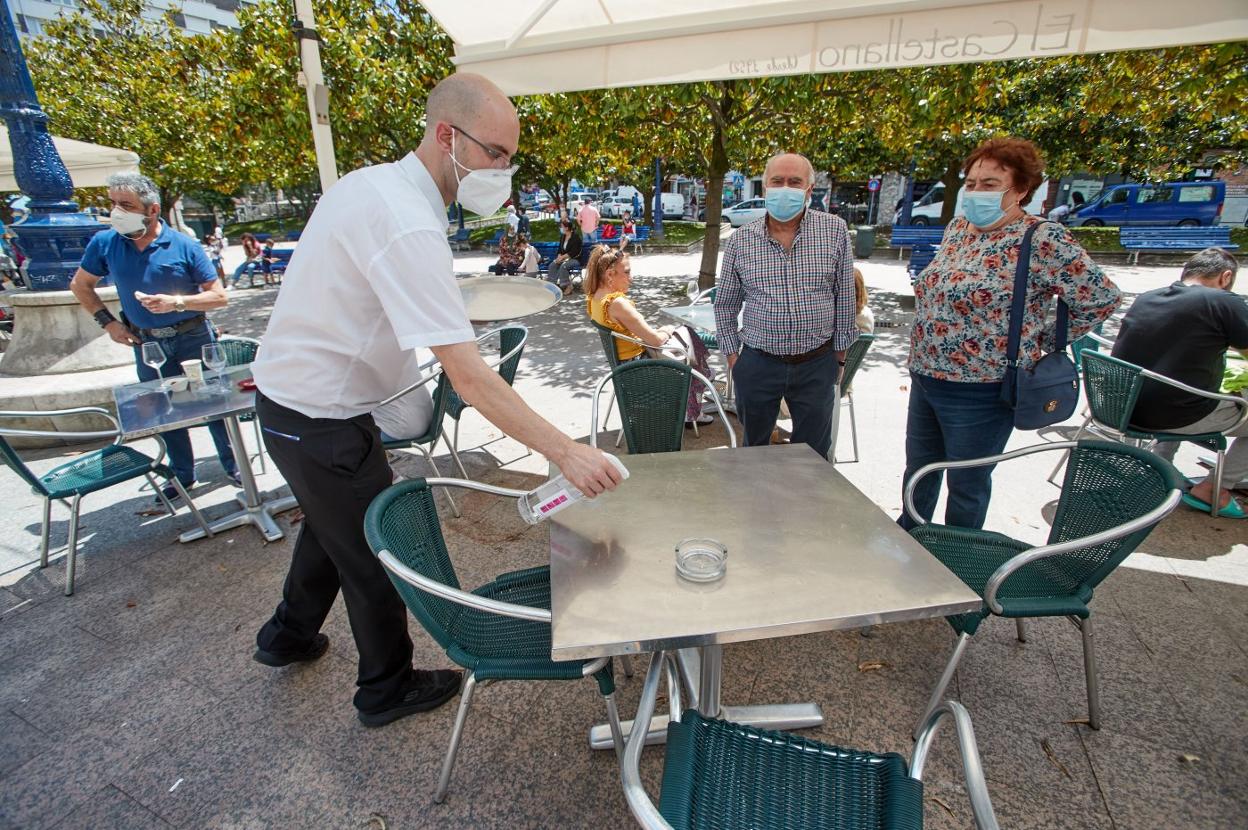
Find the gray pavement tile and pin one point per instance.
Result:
(1134, 698)
(1147, 785)
(19, 742)
(48, 657)
(1229, 606)
(110, 809)
(55, 782)
(1214, 700)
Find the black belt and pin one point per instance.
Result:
(818, 351)
(161, 332)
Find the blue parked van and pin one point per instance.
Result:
(1186, 204)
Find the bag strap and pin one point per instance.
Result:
(1022, 271)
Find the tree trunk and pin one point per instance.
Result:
(952, 180)
(714, 201)
(647, 210)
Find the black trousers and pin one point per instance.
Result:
(335, 468)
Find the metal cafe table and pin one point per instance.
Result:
(702, 316)
(148, 408)
(807, 551)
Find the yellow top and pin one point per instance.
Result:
(597, 311)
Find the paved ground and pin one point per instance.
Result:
(135, 704)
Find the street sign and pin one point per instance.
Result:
(873, 185)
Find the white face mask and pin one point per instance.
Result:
(482, 191)
(127, 223)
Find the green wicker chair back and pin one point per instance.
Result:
(1111, 386)
(1085, 344)
(10, 457)
(653, 395)
(853, 358)
(442, 393)
(1107, 484)
(509, 338)
(404, 521)
(608, 344)
(239, 351)
(724, 775)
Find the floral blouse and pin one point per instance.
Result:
(962, 300)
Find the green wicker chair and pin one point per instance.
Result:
(498, 631)
(241, 351)
(726, 776)
(708, 339)
(1112, 387)
(1112, 497)
(511, 341)
(853, 362)
(653, 395)
(87, 473)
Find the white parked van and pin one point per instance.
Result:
(673, 205)
(926, 211)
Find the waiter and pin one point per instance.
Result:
(371, 281)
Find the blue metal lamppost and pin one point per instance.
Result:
(54, 234)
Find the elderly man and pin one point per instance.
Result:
(375, 252)
(1183, 332)
(793, 273)
(165, 283)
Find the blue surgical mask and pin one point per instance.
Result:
(983, 207)
(783, 203)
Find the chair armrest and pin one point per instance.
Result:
(976, 786)
(438, 373)
(719, 406)
(908, 493)
(480, 603)
(639, 803)
(1237, 400)
(1007, 568)
(114, 433)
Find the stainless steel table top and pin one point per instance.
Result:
(145, 409)
(495, 298)
(700, 316)
(807, 551)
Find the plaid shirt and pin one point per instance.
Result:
(794, 301)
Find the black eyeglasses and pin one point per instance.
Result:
(494, 154)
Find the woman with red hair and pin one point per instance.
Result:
(962, 320)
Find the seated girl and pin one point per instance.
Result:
(607, 279)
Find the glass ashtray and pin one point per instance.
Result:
(701, 560)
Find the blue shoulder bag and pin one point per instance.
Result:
(1048, 392)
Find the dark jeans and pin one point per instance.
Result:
(335, 468)
(178, 348)
(949, 421)
(810, 388)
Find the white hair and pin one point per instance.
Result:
(810, 168)
(138, 184)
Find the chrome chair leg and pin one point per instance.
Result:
(1217, 484)
(938, 694)
(457, 732)
(853, 425)
(446, 491)
(1090, 675)
(1021, 625)
(160, 494)
(186, 497)
(452, 445)
(43, 534)
(72, 553)
(613, 719)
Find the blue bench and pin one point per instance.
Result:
(1174, 239)
(276, 268)
(922, 241)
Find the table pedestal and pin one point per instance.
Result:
(701, 671)
(254, 510)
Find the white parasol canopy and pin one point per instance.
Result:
(535, 46)
(89, 164)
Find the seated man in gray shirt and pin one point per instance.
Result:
(1183, 332)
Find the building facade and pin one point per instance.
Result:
(192, 16)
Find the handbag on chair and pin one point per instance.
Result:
(1048, 392)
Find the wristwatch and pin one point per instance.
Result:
(179, 303)
(103, 317)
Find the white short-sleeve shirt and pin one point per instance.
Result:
(371, 280)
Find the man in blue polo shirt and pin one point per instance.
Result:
(165, 284)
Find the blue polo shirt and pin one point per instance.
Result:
(173, 263)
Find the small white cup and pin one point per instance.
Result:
(194, 370)
(177, 384)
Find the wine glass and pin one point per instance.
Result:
(154, 356)
(214, 359)
(692, 289)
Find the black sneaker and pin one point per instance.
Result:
(430, 689)
(236, 478)
(277, 659)
(170, 492)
